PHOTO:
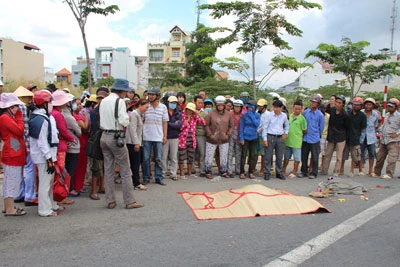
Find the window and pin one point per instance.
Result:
(156, 55)
(176, 52)
(106, 57)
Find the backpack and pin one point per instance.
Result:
(35, 125)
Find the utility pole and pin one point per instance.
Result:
(393, 24)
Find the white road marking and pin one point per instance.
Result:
(312, 247)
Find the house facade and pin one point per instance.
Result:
(20, 61)
(78, 67)
(167, 56)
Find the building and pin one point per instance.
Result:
(20, 61)
(321, 74)
(115, 62)
(78, 67)
(167, 56)
(64, 76)
(142, 73)
(49, 75)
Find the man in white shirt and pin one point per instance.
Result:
(113, 126)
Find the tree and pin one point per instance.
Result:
(81, 10)
(107, 82)
(257, 26)
(201, 46)
(84, 80)
(166, 75)
(351, 60)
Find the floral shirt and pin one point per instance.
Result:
(189, 127)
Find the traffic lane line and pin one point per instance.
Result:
(312, 247)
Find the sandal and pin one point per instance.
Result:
(134, 205)
(66, 201)
(183, 177)
(193, 175)
(209, 176)
(53, 214)
(18, 212)
(141, 187)
(94, 197)
(101, 191)
(242, 176)
(251, 176)
(60, 208)
(174, 178)
(112, 205)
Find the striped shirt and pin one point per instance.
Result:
(153, 123)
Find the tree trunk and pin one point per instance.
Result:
(253, 65)
(87, 60)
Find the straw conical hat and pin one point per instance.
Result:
(22, 91)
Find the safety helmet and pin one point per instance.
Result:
(237, 103)
(315, 98)
(41, 97)
(283, 100)
(154, 91)
(358, 101)
(208, 100)
(30, 87)
(172, 98)
(244, 94)
(341, 97)
(370, 99)
(262, 102)
(220, 100)
(393, 101)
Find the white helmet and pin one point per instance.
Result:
(220, 100)
(238, 103)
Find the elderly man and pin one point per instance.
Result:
(113, 120)
(389, 146)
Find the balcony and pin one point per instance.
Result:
(156, 59)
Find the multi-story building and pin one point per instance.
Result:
(78, 67)
(20, 62)
(142, 72)
(167, 56)
(115, 62)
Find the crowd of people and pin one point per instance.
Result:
(46, 131)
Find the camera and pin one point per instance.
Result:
(120, 138)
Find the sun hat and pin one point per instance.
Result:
(93, 98)
(172, 98)
(121, 85)
(191, 106)
(1, 83)
(22, 91)
(66, 90)
(8, 100)
(60, 98)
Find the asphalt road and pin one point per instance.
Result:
(165, 232)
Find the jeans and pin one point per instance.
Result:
(274, 142)
(306, 148)
(157, 148)
(27, 187)
(71, 159)
(134, 158)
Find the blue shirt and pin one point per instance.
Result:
(315, 125)
(274, 124)
(370, 131)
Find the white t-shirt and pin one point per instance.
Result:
(153, 123)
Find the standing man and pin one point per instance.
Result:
(275, 128)
(337, 132)
(262, 108)
(389, 146)
(368, 136)
(358, 123)
(154, 135)
(219, 129)
(113, 125)
(312, 137)
(200, 134)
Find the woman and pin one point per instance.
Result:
(187, 138)
(181, 100)
(81, 115)
(14, 150)
(60, 100)
(134, 133)
(234, 142)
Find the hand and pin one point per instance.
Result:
(241, 143)
(164, 139)
(137, 148)
(393, 135)
(50, 166)
(265, 143)
(284, 136)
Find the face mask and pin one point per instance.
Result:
(172, 106)
(350, 106)
(74, 106)
(14, 110)
(49, 108)
(208, 109)
(245, 100)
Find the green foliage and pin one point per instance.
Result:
(107, 82)
(351, 60)
(201, 46)
(166, 75)
(83, 82)
(257, 25)
(392, 92)
(215, 87)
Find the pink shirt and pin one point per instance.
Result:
(64, 134)
(187, 127)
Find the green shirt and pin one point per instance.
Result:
(297, 126)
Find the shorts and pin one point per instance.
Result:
(371, 149)
(323, 144)
(97, 168)
(355, 152)
(296, 152)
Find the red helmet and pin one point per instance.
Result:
(30, 87)
(358, 101)
(41, 97)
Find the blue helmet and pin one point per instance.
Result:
(208, 100)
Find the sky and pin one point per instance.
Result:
(50, 25)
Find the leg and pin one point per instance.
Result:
(339, 156)
(158, 166)
(223, 157)
(201, 147)
(210, 150)
(173, 152)
(245, 149)
(328, 156)
(165, 154)
(315, 150)
(393, 155)
(279, 150)
(122, 160)
(305, 150)
(109, 166)
(146, 161)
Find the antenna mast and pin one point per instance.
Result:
(199, 12)
(392, 25)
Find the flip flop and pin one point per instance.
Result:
(4, 211)
(60, 208)
(18, 212)
(66, 201)
(183, 177)
(94, 197)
